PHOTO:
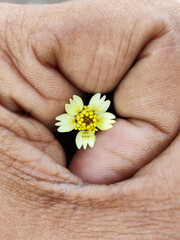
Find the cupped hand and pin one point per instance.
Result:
(47, 54)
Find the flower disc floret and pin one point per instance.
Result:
(86, 120)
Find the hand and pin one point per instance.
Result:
(49, 53)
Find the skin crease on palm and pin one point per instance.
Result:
(128, 185)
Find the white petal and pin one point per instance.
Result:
(99, 104)
(58, 124)
(76, 105)
(105, 120)
(94, 99)
(83, 139)
(104, 106)
(67, 128)
(64, 117)
(92, 140)
(67, 123)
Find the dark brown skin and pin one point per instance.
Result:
(47, 54)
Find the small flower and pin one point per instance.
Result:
(86, 119)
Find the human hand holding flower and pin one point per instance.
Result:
(50, 53)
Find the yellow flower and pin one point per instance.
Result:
(86, 119)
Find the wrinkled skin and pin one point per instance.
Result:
(49, 53)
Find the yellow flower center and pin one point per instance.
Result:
(86, 120)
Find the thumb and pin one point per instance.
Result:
(148, 100)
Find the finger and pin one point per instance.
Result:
(26, 129)
(28, 150)
(88, 39)
(148, 98)
(28, 159)
(27, 84)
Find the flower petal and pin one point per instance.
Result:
(67, 123)
(76, 105)
(104, 106)
(105, 120)
(98, 104)
(84, 138)
(94, 99)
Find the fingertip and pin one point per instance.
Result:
(118, 153)
(93, 165)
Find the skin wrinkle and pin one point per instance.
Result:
(21, 160)
(22, 75)
(17, 120)
(145, 54)
(30, 138)
(38, 58)
(28, 175)
(97, 206)
(22, 28)
(18, 109)
(51, 141)
(140, 147)
(17, 67)
(101, 61)
(57, 63)
(130, 40)
(136, 122)
(10, 31)
(156, 34)
(171, 193)
(6, 59)
(60, 48)
(14, 171)
(119, 155)
(108, 73)
(153, 123)
(108, 62)
(92, 63)
(118, 56)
